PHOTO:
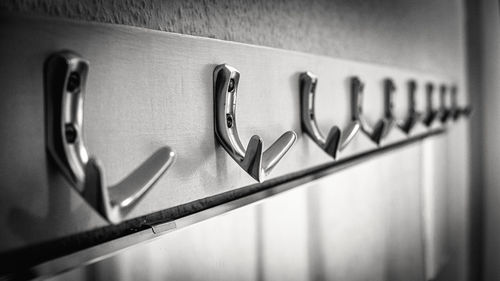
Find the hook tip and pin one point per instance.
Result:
(167, 153)
(291, 135)
(308, 75)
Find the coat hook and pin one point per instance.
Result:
(376, 133)
(413, 116)
(252, 159)
(65, 78)
(466, 110)
(389, 117)
(336, 140)
(443, 111)
(457, 111)
(431, 113)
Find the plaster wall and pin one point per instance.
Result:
(424, 35)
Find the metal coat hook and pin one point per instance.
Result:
(389, 117)
(457, 111)
(466, 110)
(377, 132)
(65, 78)
(336, 139)
(413, 116)
(430, 113)
(443, 111)
(252, 158)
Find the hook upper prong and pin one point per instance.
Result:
(256, 162)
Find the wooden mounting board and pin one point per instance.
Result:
(147, 89)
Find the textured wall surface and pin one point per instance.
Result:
(421, 35)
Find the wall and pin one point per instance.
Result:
(487, 59)
(425, 35)
(422, 35)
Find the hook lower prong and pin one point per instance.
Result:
(136, 184)
(277, 150)
(348, 134)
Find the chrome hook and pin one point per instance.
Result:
(336, 139)
(376, 133)
(65, 78)
(457, 111)
(255, 162)
(389, 117)
(413, 116)
(443, 111)
(466, 110)
(431, 113)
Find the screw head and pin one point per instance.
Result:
(70, 133)
(229, 120)
(230, 88)
(73, 82)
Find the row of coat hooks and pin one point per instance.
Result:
(65, 75)
(338, 139)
